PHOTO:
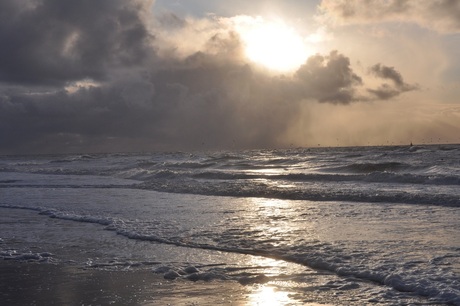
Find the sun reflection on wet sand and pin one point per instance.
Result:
(278, 286)
(268, 296)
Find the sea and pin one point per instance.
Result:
(346, 226)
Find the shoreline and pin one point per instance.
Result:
(29, 283)
(81, 267)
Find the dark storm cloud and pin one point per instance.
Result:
(200, 102)
(55, 41)
(386, 91)
(84, 76)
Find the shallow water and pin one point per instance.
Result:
(358, 225)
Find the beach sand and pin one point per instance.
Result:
(49, 284)
(23, 283)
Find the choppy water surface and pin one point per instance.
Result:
(377, 224)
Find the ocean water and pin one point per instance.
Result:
(351, 226)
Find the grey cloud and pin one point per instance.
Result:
(386, 91)
(203, 101)
(440, 15)
(329, 78)
(55, 41)
(390, 73)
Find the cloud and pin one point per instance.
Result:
(439, 15)
(100, 76)
(56, 41)
(329, 78)
(386, 91)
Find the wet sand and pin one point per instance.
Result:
(48, 284)
(23, 283)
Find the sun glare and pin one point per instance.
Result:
(274, 45)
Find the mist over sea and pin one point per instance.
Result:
(358, 224)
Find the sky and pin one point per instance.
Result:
(167, 75)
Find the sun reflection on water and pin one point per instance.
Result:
(276, 223)
(274, 220)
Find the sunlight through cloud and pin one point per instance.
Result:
(272, 44)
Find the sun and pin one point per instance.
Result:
(273, 45)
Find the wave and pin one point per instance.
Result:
(374, 188)
(313, 192)
(402, 276)
(395, 175)
(74, 158)
(191, 165)
(377, 177)
(371, 167)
